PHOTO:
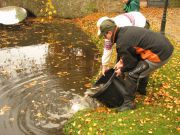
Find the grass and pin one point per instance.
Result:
(158, 113)
(143, 120)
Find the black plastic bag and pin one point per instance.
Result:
(110, 89)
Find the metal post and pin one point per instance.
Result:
(163, 23)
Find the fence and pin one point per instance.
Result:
(160, 3)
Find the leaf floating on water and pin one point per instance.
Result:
(39, 115)
(43, 83)
(1, 112)
(69, 33)
(62, 74)
(42, 20)
(22, 111)
(64, 99)
(88, 85)
(70, 46)
(4, 72)
(51, 125)
(50, 17)
(73, 89)
(30, 84)
(18, 70)
(11, 119)
(4, 109)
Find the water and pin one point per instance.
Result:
(43, 76)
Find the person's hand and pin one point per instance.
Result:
(104, 69)
(119, 64)
(118, 67)
(118, 72)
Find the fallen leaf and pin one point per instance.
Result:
(88, 85)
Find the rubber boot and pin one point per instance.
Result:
(141, 67)
(131, 81)
(128, 104)
(142, 84)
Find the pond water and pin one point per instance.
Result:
(43, 76)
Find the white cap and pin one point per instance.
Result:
(99, 23)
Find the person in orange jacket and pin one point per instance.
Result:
(140, 52)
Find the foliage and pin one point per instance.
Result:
(91, 7)
(49, 10)
(174, 3)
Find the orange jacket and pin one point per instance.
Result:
(134, 44)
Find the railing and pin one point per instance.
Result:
(160, 3)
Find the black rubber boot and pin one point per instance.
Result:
(142, 84)
(141, 67)
(128, 104)
(131, 81)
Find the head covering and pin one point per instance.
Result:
(99, 23)
(106, 26)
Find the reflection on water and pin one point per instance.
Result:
(42, 85)
(22, 60)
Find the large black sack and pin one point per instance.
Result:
(110, 89)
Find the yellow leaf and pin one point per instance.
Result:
(39, 115)
(178, 129)
(88, 120)
(69, 33)
(90, 129)
(11, 119)
(50, 17)
(88, 114)
(42, 20)
(74, 124)
(41, 10)
(150, 132)
(79, 126)
(54, 11)
(50, 13)
(79, 132)
(119, 120)
(4, 109)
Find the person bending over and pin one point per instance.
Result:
(126, 19)
(140, 52)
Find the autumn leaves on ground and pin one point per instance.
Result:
(157, 113)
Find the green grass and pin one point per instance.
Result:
(144, 120)
(158, 113)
